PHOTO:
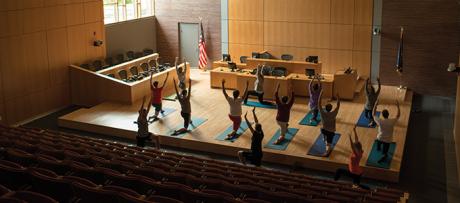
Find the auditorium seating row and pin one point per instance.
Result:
(98, 65)
(89, 170)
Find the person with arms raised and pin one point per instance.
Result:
(284, 110)
(157, 95)
(255, 154)
(186, 109)
(235, 108)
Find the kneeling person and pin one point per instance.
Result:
(255, 154)
(143, 133)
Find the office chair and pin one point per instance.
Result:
(243, 59)
(123, 74)
(130, 55)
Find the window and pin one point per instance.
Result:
(122, 10)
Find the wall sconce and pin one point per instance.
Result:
(452, 67)
(376, 31)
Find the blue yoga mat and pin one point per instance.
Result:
(196, 122)
(306, 120)
(166, 112)
(241, 130)
(375, 156)
(363, 121)
(319, 147)
(258, 104)
(287, 139)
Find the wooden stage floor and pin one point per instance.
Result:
(117, 120)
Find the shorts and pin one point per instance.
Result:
(252, 157)
(157, 106)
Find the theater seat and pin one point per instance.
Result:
(130, 55)
(21, 157)
(91, 193)
(32, 197)
(162, 199)
(52, 186)
(123, 75)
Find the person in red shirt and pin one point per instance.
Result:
(284, 110)
(354, 170)
(157, 96)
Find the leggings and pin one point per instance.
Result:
(386, 147)
(186, 117)
(356, 178)
(283, 127)
(236, 122)
(328, 136)
(368, 115)
(315, 112)
(259, 95)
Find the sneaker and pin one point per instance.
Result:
(279, 140)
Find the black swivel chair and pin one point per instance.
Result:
(279, 71)
(130, 55)
(287, 57)
(120, 58)
(243, 59)
(265, 55)
(148, 52)
(85, 66)
(135, 73)
(109, 61)
(138, 55)
(145, 69)
(97, 64)
(123, 74)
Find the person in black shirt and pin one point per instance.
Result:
(255, 154)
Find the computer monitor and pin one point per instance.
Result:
(255, 55)
(312, 59)
(226, 57)
(232, 66)
(309, 72)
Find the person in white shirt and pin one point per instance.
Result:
(258, 87)
(235, 108)
(385, 130)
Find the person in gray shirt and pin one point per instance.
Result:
(258, 87)
(328, 118)
(371, 98)
(142, 122)
(186, 110)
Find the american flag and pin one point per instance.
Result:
(203, 59)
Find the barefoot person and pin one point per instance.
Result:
(354, 170)
(157, 96)
(385, 130)
(235, 108)
(284, 110)
(258, 87)
(328, 118)
(181, 74)
(314, 89)
(255, 154)
(143, 133)
(371, 97)
(186, 110)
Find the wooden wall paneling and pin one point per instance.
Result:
(362, 62)
(297, 11)
(245, 32)
(15, 109)
(75, 14)
(3, 24)
(341, 37)
(279, 10)
(14, 4)
(342, 11)
(55, 17)
(273, 10)
(363, 12)
(320, 10)
(238, 50)
(300, 54)
(76, 38)
(56, 2)
(58, 56)
(339, 60)
(277, 51)
(93, 11)
(245, 9)
(33, 3)
(13, 67)
(320, 35)
(301, 34)
(34, 20)
(15, 22)
(58, 96)
(276, 33)
(362, 35)
(36, 69)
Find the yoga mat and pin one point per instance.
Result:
(241, 130)
(170, 97)
(196, 122)
(363, 121)
(319, 147)
(258, 104)
(375, 155)
(287, 139)
(307, 118)
(166, 112)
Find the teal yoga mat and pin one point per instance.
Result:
(170, 97)
(287, 139)
(363, 121)
(375, 155)
(196, 122)
(241, 130)
(166, 112)
(258, 104)
(306, 120)
(319, 147)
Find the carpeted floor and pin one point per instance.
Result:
(429, 168)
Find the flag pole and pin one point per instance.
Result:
(399, 62)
